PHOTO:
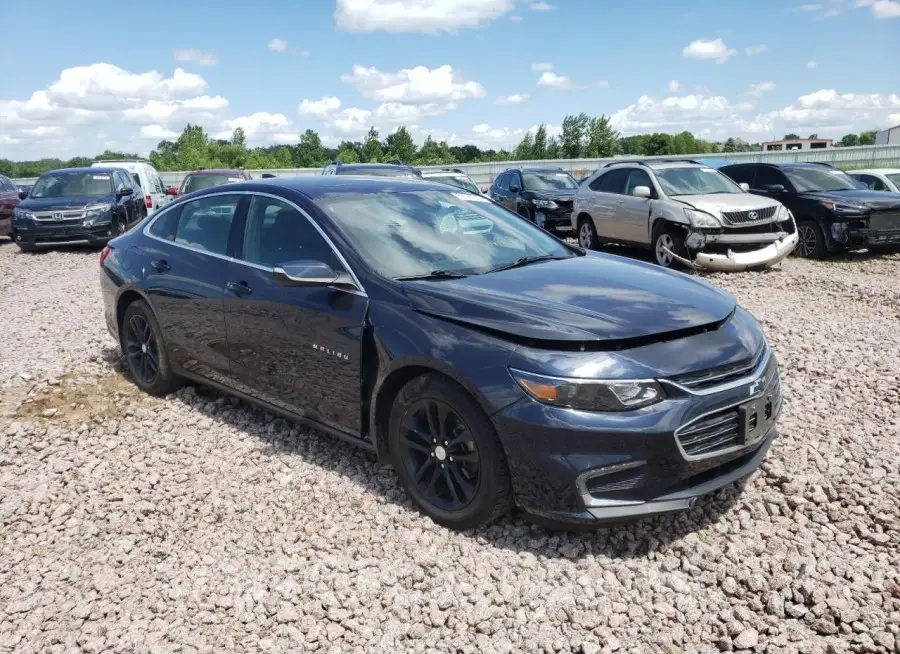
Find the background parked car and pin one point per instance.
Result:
(542, 195)
(201, 179)
(686, 213)
(878, 179)
(78, 205)
(10, 196)
(147, 178)
(453, 177)
(832, 209)
(376, 169)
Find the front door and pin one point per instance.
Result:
(636, 211)
(184, 273)
(298, 348)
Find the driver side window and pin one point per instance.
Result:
(637, 178)
(277, 233)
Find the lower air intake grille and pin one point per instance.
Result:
(714, 432)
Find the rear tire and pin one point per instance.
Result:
(447, 455)
(587, 234)
(811, 244)
(672, 238)
(145, 351)
(525, 213)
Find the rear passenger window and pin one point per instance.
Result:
(137, 180)
(741, 174)
(164, 227)
(277, 233)
(206, 223)
(766, 176)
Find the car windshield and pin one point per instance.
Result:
(820, 179)
(195, 182)
(381, 172)
(459, 182)
(411, 233)
(65, 185)
(548, 181)
(694, 181)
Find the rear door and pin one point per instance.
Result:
(299, 348)
(606, 202)
(499, 188)
(185, 267)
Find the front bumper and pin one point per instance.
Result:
(47, 234)
(556, 221)
(738, 261)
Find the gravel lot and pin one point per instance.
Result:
(199, 524)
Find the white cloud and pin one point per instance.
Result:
(104, 86)
(812, 63)
(541, 6)
(413, 85)
(756, 90)
(882, 8)
(673, 86)
(826, 109)
(563, 83)
(759, 48)
(194, 56)
(322, 109)
(703, 49)
(693, 112)
(487, 136)
(426, 16)
(810, 7)
(157, 132)
(277, 45)
(541, 67)
(261, 127)
(515, 98)
(516, 18)
(44, 131)
(203, 107)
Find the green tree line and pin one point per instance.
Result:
(581, 136)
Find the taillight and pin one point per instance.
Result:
(104, 253)
(148, 201)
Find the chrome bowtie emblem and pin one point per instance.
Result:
(754, 387)
(753, 215)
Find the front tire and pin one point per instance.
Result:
(447, 455)
(811, 244)
(145, 351)
(587, 234)
(672, 239)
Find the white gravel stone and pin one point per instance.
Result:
(198, 524)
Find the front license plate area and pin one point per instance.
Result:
(756, 419)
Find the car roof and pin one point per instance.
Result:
(442, 173)
(314, 186)
(87, 169)
(877, 171)
(217, 171)
(363, 166)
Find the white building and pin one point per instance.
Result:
(890, 136)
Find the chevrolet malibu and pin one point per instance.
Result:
(490, 364)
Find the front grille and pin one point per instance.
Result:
(714, 432)
(565, 206)
(884, 221)
(751, 216)
(703, 379)
(65, 217)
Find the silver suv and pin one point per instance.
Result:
(685, 213)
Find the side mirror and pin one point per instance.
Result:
(641, 191)
(23, 195)
(484, 189)
(309, 272)
(744, 186)
(125, 191)
(773, 188)
(172, 191)
(514, 188)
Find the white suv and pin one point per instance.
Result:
(155, 196)
(685, 213)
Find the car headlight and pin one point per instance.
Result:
(545, 204)
(700, 219)
(782, 214)
(844, 209)
(589, 394)
(21, 213)
(94, 210)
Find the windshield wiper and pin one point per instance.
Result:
(524, 261)
(434, 274)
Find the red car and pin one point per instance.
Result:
(10, 196)
(200, 179)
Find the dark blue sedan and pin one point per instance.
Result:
(489, 363)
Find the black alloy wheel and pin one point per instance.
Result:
(811, 240)
(447, 455)
(440, 455)
(145, 351)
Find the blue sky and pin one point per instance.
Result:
(481, 71)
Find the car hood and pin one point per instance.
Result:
(716, 203)
(561, 194)
(874, 199)
(61, 204)
(594, 298)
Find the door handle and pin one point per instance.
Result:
(160, 265)
(238, 288)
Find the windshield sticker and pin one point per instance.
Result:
(100, 176)
(235, 179)
(470, 197)
(708, 170)
(837, 173)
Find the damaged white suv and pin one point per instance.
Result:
(685, 213)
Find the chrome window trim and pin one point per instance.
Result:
(172, 206)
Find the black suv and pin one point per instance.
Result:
(544, 196)
(832, 209)
(336, 167)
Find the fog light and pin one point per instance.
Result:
(695, 241)
(839, 232)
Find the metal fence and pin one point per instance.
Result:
(483, 174)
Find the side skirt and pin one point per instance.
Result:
(309, 422)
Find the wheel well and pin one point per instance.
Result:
(661, 223)
(124, 301)
(389, 390)
(583, 217)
